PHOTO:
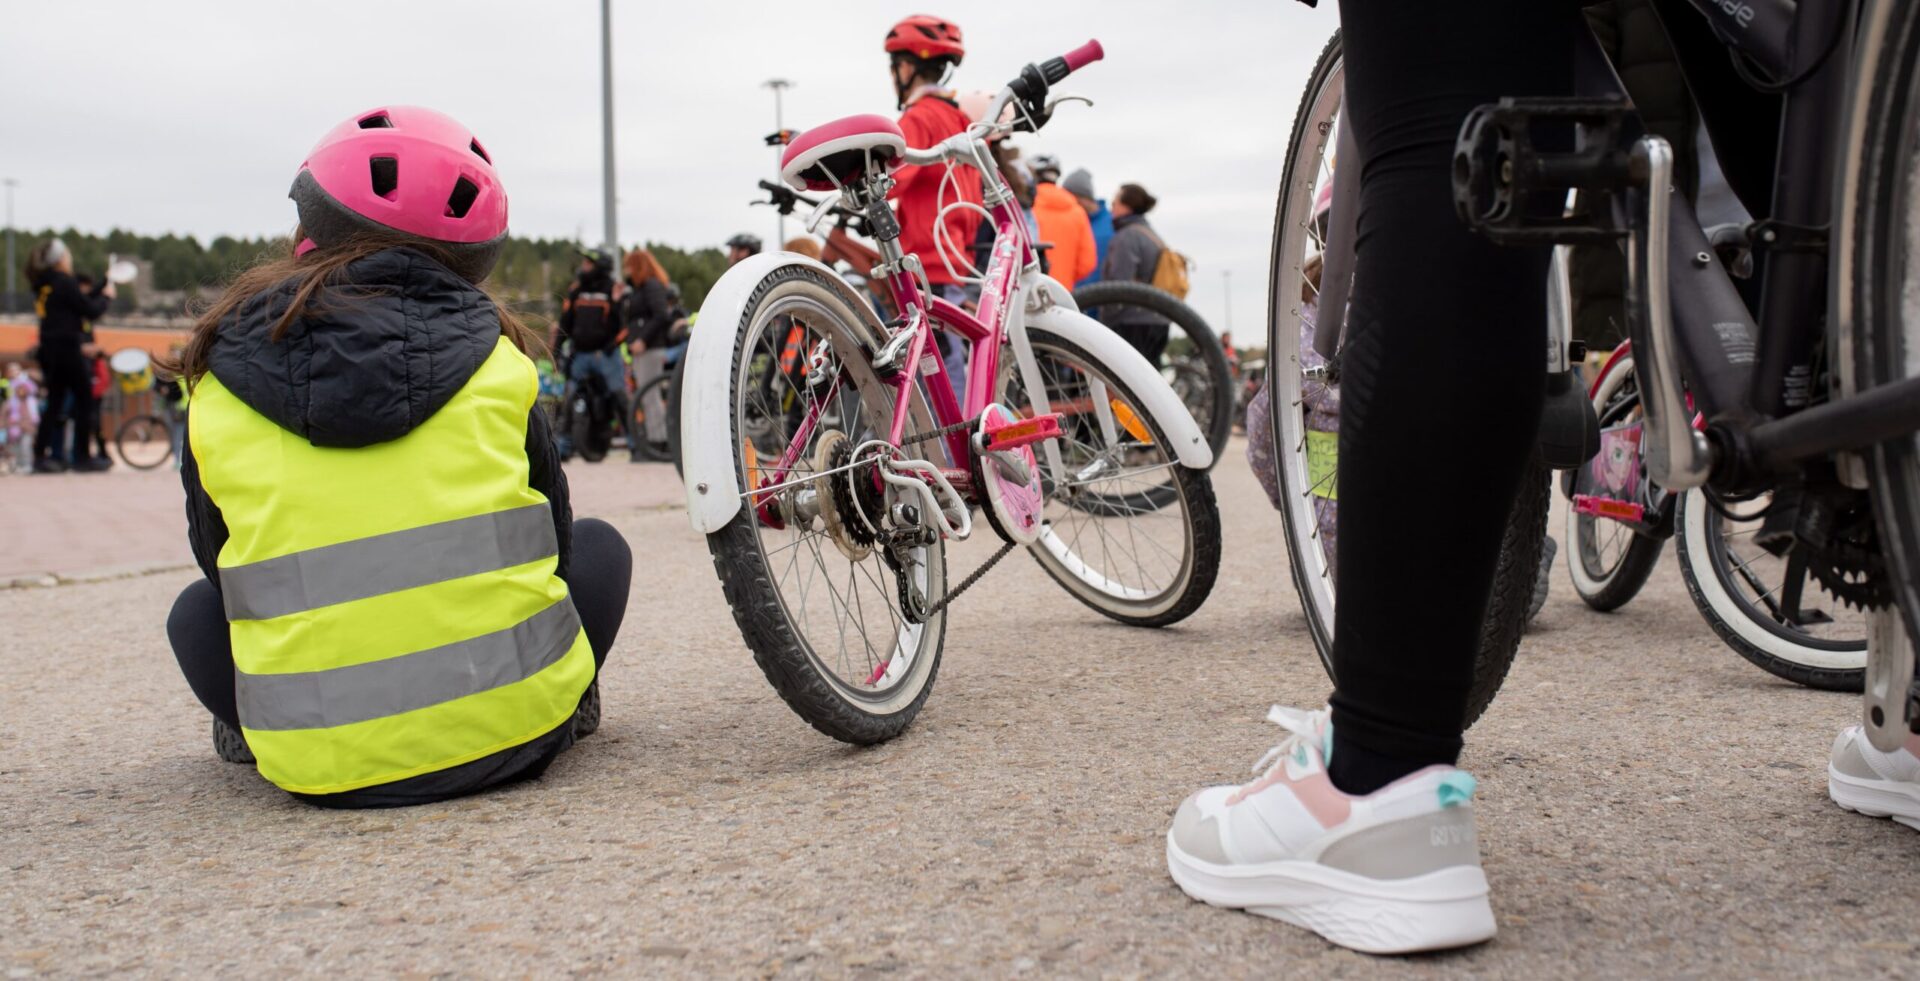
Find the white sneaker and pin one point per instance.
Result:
(1861, 778)
(1393, 872)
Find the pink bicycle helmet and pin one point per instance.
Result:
(410, 170)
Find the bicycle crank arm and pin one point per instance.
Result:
(1888, 702)
(1678, 456)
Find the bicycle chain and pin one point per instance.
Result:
(953, 594)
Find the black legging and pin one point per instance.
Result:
(69, 391)
(1442, 372)
(600, 575)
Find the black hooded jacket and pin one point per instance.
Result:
(368, 363)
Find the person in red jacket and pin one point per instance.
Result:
(924, 51)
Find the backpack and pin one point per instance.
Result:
(1170, 272)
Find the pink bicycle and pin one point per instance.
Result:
(829, 461)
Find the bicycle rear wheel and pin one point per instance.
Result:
(144, 442)
(1305, 408)
(810, 588)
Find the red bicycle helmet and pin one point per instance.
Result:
(410, 170)
(927, 37)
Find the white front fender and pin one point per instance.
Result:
(706, 399)
(1062, 319)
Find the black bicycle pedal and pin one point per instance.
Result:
(1515, 161)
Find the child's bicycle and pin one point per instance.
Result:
(829, 525)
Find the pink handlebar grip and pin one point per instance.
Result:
(1083, 56)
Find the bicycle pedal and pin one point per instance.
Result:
(1607, 507)
(1513, 189)
(1001, 436)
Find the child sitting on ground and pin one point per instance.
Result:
(398, 605)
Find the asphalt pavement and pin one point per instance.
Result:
(1650, 804)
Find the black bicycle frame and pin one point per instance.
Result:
(1754, 380)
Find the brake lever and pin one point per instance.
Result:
(1055, 102)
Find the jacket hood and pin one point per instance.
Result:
(375, 355)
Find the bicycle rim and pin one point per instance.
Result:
(144, 442)
(1120, 527)
(1750, 584)
(1305, 411)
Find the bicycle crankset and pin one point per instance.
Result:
(1835, 530)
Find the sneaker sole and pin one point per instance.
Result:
(1436, 911)
(1875, 798)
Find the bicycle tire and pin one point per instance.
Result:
(1779, 651)
(1606, 590)
(139, 429)
(747, 576)
(653, 451)
(1218, 424)
(1521, 541)
(1194, 490)
(673, 418)
(1868, 277)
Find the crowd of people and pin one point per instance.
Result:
(51, 421)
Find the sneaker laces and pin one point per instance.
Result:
(1305, 729)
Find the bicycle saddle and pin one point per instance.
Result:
(829, 157)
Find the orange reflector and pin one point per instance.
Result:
(1130, 422)
(752, 460)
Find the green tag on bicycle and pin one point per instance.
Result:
(1323, 462)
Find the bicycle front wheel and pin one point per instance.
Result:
(811, 588)
(1128, 530)
(144, 442)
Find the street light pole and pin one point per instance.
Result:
(606, 126)
(11, 287)
(778, 85)
(1226, 286)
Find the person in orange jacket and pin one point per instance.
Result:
(1063, 224)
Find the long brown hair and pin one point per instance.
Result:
(312, 272)
(642, 266)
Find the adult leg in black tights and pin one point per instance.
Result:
(1442, 372)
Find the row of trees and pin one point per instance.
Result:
(533, 271)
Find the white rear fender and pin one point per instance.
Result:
(706, 409)
(1064, 320)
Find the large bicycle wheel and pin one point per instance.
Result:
(1305, 405)
(1877, 283)
(1753, 588)
(1609, 561)
(811, 589)
(1193, 362)
(144, 442)
(1130, 533)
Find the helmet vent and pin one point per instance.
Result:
(462, 198)
(474, 145)
(385, 172)
(378, 120)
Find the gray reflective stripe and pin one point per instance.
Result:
(341, 696)
(388, 563)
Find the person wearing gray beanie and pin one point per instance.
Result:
(1080, 185)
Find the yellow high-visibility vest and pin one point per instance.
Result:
(393, 608)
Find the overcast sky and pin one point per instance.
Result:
(191, 115)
